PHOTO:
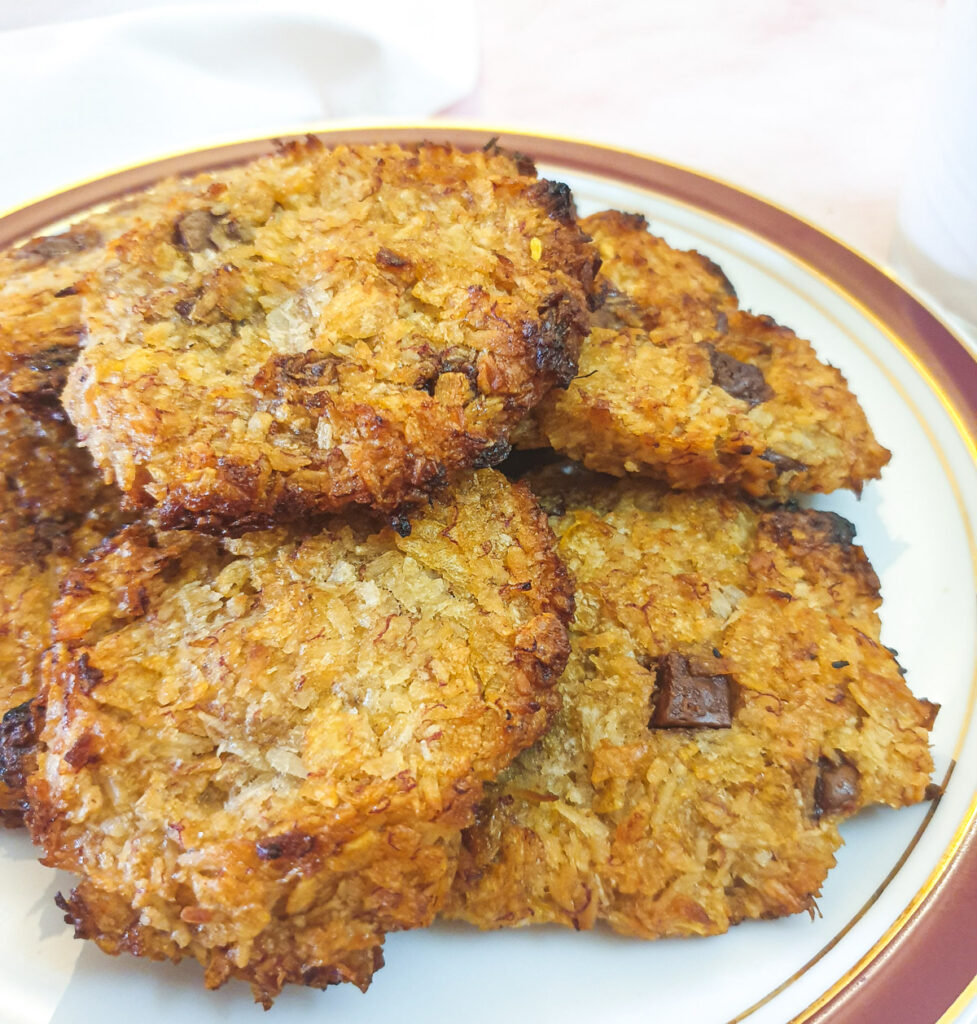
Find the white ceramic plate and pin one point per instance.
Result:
(896, 939)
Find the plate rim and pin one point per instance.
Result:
(940, 920)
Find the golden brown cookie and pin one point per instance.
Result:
(259, 752)
(53, 510)
(41, 322)
(727, 703)
(330, 328)
(676, 382)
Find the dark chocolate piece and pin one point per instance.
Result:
(782, 463)
(686, 700)
(738, 379)
(52, 247)
(193, 230)
(836, 788)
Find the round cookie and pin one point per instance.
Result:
(53, 510)
(727, 703)
(676, 382)
(329, 328)
(259, 752)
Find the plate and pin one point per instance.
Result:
(895, 938)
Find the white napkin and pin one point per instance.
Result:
(93, 94)
(936, 239)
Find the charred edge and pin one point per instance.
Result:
(717, 271)
(559, 322)
(837, 529)
(557, 199)
(790, 520)
(18, 742)
(74, 914)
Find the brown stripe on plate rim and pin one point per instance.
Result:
(932, 957)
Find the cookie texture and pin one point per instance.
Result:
(53, 509)
(677, 382)
(41, 321)
(259, 752)
(329, 328)
(727, 703)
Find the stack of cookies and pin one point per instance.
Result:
(311, 654)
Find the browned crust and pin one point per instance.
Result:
(116, 928)
(294, 728)
(678, 383)
(687, 831)
(310, 353)
(41, 319)
(53, 509)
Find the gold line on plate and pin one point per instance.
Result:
(970, 444)
(921, 369)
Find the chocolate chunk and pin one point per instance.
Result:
(840, 664)
(291, 845)
(184, 308)
(617, 311)
(65, 292)
(836, 788)
(53, 247)
(782, 463)
(686, 700)
(738, 379)
(193, 230)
